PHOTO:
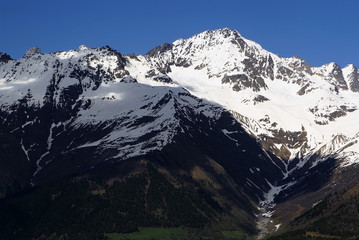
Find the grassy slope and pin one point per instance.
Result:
(336, 217)
(177, 233)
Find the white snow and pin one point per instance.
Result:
(38, 162)
(24, 149)
(273, 192)
(51, 137)
(227, 133)
(277, 226)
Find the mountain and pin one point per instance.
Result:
(302, 114)
(272, 94)
(86, 103)
(80, 114)
(214, 120)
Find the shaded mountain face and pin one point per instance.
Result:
(67, 112)
(71, 119)
(215, 111)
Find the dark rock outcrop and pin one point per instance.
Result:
(4, 57)
(242, 81)
(33, 51)
(160, 49)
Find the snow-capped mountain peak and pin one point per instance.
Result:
(82, 47)
(132, 105)
(277, 95)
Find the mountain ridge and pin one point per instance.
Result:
(256, 73)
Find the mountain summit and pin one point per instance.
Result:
(274, 94)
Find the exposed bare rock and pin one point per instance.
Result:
(351, 74)
(4, 57)
(33, 51)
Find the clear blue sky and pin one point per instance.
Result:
(319, 31)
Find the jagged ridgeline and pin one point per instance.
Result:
(194, 137)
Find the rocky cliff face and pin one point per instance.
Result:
(4, 58)
(351, 73)
(33, 51)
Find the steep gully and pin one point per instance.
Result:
(312, 176)
(266, 208)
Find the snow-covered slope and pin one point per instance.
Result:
(295, 110)
(91, 87)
